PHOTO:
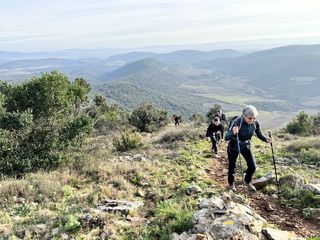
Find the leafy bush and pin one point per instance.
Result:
(107, 117)
(197, 118)
(40, 120)
(316, 124)
(307, 150)
(127, 141)
(181, 135)
(147, 118)
(174, 217)
(213, 111)
(298, 198)
(302, 124)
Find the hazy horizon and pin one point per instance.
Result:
(60, 25)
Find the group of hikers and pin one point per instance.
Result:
(239, 134)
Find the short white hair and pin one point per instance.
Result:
(250, 111)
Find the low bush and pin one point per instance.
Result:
(147, 118)
(301, 124)
(126, 141)
(307, 150)
(298, 198)
(180, 135)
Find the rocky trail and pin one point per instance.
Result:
(267, 206)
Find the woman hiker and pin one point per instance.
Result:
(242, 129)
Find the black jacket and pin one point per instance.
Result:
(246, 131)
(214, 129)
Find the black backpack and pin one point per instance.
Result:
(235, 119)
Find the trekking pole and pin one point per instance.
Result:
(239, 157)
(274, 161)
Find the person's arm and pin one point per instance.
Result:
(230, 134)
(259, 132)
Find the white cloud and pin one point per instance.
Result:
(97, 23)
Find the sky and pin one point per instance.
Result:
(46, 25)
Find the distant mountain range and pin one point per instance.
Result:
(188, 81)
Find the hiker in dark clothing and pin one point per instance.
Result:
(215, 132)
(222, 117)
(243, 127)
(176, 119)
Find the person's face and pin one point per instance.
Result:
(216, 123)
(218, 113)
(250, 119)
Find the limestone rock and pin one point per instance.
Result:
(292, 180)
(315, 188)
(262, 182)
(274, 234)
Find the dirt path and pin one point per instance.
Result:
(283, 217)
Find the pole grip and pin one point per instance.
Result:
(270, 133)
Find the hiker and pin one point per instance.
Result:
(176, 119)
(215, 133)
(222, 117)
(242, 128)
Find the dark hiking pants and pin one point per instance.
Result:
(214, 143)
(248, 156)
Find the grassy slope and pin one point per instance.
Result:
(59, 198)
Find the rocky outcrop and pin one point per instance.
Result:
(315, 188)
(262, 182)
(222, 218)
(118, 206)
(292, 180)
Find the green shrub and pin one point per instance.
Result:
(40, 120)
(197, 118)
(316, 124)
(147, 118)
(71, 223)
(213, 111)
(180, 135)
(107, 117)
(310, 156)
(127, 141)
(307, 150)
(298, 198)
(173, 217)
(302, 124)
(314, 238)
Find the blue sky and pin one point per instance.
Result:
(37, 25)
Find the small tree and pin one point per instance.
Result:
(316, 124)
(301, 124)
(127, 141)
(107, 117)
(147, 118)
(40, 121)
(212, 112)
(197, 118)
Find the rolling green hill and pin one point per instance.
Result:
(290, 73)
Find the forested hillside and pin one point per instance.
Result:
(79, 168)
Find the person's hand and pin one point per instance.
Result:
(235, 130)
(270, 139)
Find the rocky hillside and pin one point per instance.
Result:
(171, 187)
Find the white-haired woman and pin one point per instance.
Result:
(244, 127)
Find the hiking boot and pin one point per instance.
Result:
(214, 152)
(232, 187)
(251, 187)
